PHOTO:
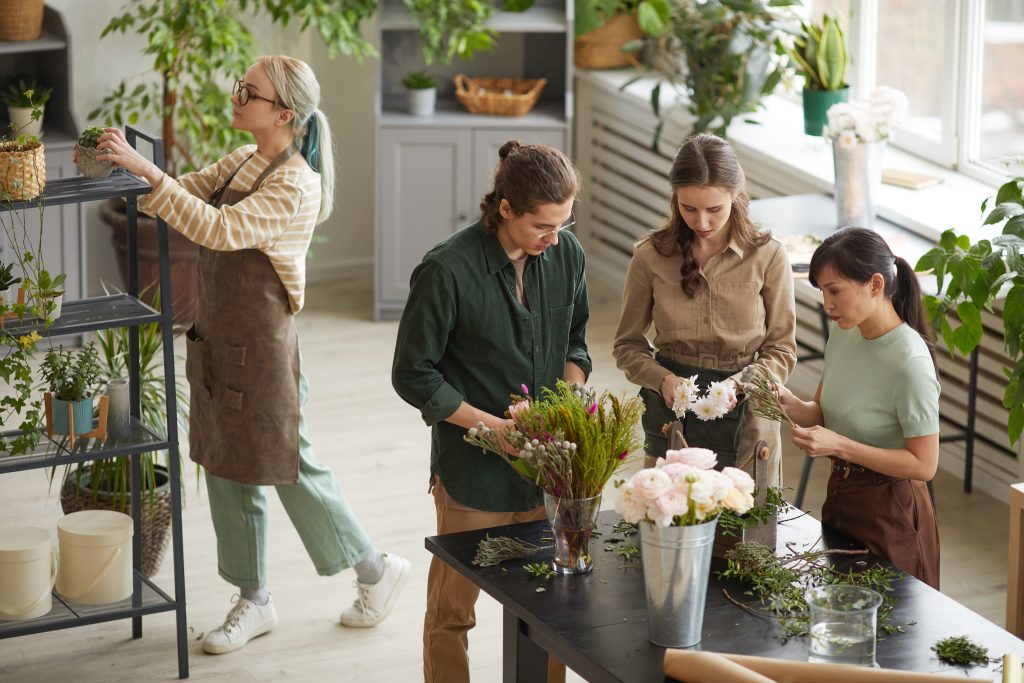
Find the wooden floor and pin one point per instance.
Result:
(378, 448)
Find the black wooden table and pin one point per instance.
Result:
(597, 624)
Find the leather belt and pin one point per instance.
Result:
(843, 468)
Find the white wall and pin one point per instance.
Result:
(348, 89)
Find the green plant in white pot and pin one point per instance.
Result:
(8, 291)
(820, 55)
(72, 378)
(47, 293)
(421, 93)
(24, 96)
(86, 151)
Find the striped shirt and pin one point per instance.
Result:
(278, 219)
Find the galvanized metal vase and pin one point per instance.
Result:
(572, 522)
(858, 182)
(677, 562)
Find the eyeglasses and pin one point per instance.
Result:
(568, 224)
(245, 94)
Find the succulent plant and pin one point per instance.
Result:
(90, 136)
(820, 54)
(419, 80)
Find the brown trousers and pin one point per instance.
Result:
(451, 598)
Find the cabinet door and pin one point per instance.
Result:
(423, 192)
(486, 144)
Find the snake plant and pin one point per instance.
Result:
(820, 54)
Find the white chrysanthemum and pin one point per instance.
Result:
(724, 390)
(847, 139)
(705, 409)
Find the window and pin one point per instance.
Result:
(1001, 102)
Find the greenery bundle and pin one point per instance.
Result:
(569, 441)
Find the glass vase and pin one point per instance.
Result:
(572, 522)
(858, 182)
(842, 624)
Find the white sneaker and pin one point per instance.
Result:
(374, 601)
(245, 621)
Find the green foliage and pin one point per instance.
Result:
(15, 140)
(721, 57)
(26, 93)
(961, 650)
(820, 54)
(419, 80)
(730, 523)
(652, 15)
(971, 277)
(71, 375)
(198, 46)
(90, 137)
(542, 570)
(7, 278)
(450, 29)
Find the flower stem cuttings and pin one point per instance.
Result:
(762, 393)
(541, 570)
(961, 650)
(493, 551)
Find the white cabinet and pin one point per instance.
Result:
(432, 172)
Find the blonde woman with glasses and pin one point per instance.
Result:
(253, 214)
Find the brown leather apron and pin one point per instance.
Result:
(893, 518)
(242, 363)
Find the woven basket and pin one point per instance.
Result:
(21, 19)
(22, 172)
(602, 48)
(156, 513)
(498, 96)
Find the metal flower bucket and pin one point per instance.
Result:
(677, 563)
(858, 182)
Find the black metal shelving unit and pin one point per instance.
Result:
(122, 310)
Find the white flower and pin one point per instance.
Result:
(738, 502)
(847, 139)
(650, 483)
(670, 504)
(701, 458)
(866, 121)
(706, 409)
(674, 470)
(740, 479)
(629, 504)
(685, 394)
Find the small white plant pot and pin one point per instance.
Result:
(21, 117)
(421, 102)
(57, 301)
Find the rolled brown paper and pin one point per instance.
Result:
(790, 671)
(1012, 672)
(707, 667)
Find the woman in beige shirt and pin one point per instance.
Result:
(719, 293)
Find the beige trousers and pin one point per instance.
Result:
(451, 598)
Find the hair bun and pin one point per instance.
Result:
(507, 148)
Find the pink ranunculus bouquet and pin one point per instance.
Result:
(683, 489)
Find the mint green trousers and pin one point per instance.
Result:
(333, 537)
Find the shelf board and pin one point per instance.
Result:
(86, 315)
(49, 453)
(45, 42)
(81, 189)
(68, 614)
(534, 20)
(451, 114)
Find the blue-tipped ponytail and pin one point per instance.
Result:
(311, 143)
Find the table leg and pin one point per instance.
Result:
(523, 661)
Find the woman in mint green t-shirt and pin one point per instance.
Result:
(876, 411)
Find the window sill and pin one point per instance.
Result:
(778, 156)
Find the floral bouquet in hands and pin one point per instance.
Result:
(569, 441)
(683, 489)
(715, 403)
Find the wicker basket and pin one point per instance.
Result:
(498, 96)
(602, 48)
(22, 172)
(21, 19)
(156, 516)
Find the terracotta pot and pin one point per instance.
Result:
(184, 257)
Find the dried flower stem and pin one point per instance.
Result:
(493, 551)
(761, 391)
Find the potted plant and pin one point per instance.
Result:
(185, 92)
(48, 293)
(819, 54)
(450, 29)
(85, 154)
(22, 159)
(8, 293)
(420, 93)
(72, 378)
(104, 484)
(603, 27)
(722, 57)
(22, 97)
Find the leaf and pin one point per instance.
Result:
(968, 335)
(1015, 424)
(654, 17)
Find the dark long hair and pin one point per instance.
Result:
(857, 254)
(528, 176)
(705, 159)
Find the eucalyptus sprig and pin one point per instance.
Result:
(961, 650)
(493, 551)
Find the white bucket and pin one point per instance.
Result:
(27, 571)
(95, 557)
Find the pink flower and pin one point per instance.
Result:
(740, 479)
(526, 391)
(670, 504)
(592, 409)
(697, 457)
(518, 408)
(628, 504)
(623, 454)
(650, 483)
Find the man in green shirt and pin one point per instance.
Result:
(499, 305)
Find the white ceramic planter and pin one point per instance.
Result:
(421, 102)
(21, 117)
